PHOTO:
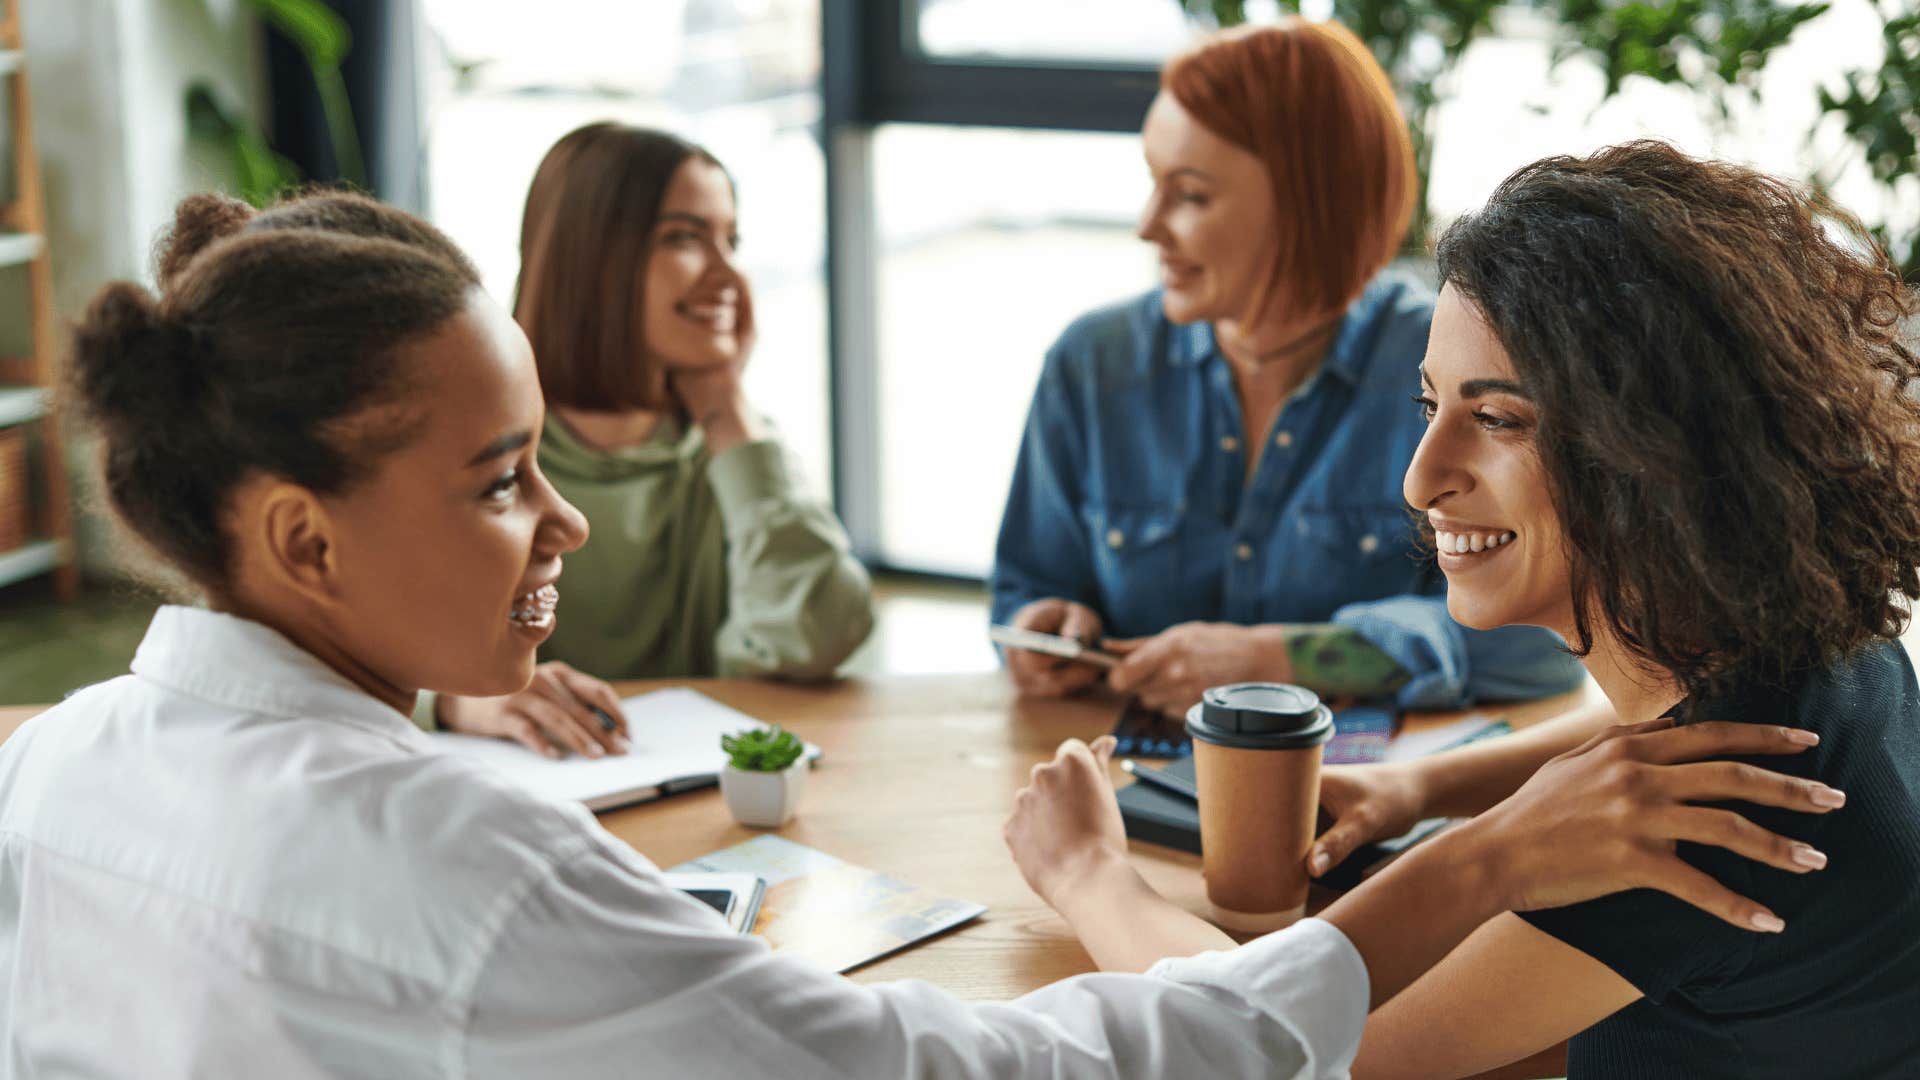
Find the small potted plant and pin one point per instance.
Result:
(764, 774)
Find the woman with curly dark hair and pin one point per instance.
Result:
(1671, 417)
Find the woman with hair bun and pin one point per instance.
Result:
(243, 859)
(1210, 476)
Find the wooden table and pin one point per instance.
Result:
(916, 780)
(917, 776)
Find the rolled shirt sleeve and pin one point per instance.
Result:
(601, 969)
(798, 602)
(1450, 666)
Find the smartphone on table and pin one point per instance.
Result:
(1065, 648)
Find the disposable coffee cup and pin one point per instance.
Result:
(1256, 756)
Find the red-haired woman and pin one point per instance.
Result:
(1210, 476)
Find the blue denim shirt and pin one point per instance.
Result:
(1130, 496)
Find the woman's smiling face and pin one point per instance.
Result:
(450, 552)
(1480, 481)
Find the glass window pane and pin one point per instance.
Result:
(740, 77)
(991, 242)
(1143, 32)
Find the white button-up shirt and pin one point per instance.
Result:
(233, 862)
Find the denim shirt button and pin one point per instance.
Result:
(1115, 538)
(1244, 551)
(1369, 544)
(1229, 443)
(1283, 439)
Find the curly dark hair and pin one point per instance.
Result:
(272, 348)
(1726, 410)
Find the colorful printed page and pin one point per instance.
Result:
(830, 911)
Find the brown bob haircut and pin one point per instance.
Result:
(1309, 101)
(584, 242)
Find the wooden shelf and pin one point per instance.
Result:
(19, 248)
(21, 404)
(31, 559)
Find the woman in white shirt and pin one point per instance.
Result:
(243, 859)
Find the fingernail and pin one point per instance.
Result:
(1822, 795)
(1801, 736)
(623, 743)
(1321, 860)
(1806, 855)
(552, 753)
(1767, 921)
(593, 750)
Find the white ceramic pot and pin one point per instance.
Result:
(763, 799)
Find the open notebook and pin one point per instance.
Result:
(676, 747)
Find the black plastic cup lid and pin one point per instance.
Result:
(1261, 716)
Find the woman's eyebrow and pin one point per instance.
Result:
(682, 215)
(505, 444)
(1474, 388)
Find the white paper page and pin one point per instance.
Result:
(675, 735)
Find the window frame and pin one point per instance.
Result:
(873, 73)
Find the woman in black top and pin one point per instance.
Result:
(1669, 418)
(1683, 402)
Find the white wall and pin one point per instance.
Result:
(109, 80)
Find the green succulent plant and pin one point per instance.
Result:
(762, 750)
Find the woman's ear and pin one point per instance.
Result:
(293, 541)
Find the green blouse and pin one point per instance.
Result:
(701, 564)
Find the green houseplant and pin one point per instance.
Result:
(322, 38)
(765, 773)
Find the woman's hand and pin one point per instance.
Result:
(1170, 670)
(1066, 828)
(711, 393)
(1605, 817)
(555, 713)
(1040, 674)
(1367, 803)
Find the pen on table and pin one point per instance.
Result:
(1160, 779)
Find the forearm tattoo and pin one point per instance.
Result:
(1338, 662)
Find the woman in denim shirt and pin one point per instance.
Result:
(1210, 475)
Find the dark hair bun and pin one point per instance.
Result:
(127, 358)
(198, 221)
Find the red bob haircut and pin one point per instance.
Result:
(1309, 101)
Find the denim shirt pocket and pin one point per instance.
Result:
(1136, 561)
(1352, 554)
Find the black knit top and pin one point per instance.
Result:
(1837, 994)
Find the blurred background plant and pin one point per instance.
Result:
(323, 40)
(1717, 48)
(1880, 113)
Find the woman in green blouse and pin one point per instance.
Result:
(707, 556)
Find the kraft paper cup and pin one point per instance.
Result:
(1256, 755)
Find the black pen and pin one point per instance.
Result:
(1160, 779)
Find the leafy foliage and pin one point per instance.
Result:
(762, 750)
(323, 39)
(1880, 112)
